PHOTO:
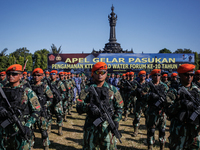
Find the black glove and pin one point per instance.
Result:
(27, 132)
(188, 104)
(116, 124)
(94, 110)
(3, 112)
(154, 96)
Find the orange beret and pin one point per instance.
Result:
(24, 72)
(186, 68)
(47, 72)
(15, 67)
(69, 72)
(61, 73)
(127, 73)
(124, 74)
(131, 73)
(37, 70)
(99, 65)
(197, 72)
(154, 71)
(3, 72)
(164, 75)
(174, 74)
(141, 72)
(65, 73)
(54, 71)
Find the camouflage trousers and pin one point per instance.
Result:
(13, 143)
(183, 136)
(155, 119)
(42, 124)
(139, 108)
(58, 111)
(128, 101)
(94, 139)
(65, 107)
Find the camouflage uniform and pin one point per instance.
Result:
(183, 132)
(58, 107)
(29, 116)
(71, 85)
(168, 83)
(4, 82)
(99, 137)
(121, 85)
(156, 116)
(45, 96)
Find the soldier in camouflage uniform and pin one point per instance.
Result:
(121, 85)
(130, 97)
(184, 129)
(156, 117)
(99, 137)
(141, 103)
(165, 79)
(26, 107)
(45, 97)
(3, 79)
(174, 81)
(83, 81)
(58, 105)
(197, 78)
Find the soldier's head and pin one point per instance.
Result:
(186, 73)
(69, 75)
(108, 75)
(65, 75)
(155, 74)
(28, 74)
(47, 74)
(37, 75)
(127, 75)
(164, 77)
(61, 75)
(131, 75)
(142, 75)
(99, 72)
(147, 75)
(25, 74)
(77, 75)
(72, 75)
(197, 75)
(174, 76)
(14, 74)
(2, 75)
(124, 76)
(112, 75)
(53, 74)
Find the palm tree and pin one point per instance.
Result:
(54, 49)
(3, 52)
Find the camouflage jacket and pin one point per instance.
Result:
(30, 99)
(115, 99)
(61, 87)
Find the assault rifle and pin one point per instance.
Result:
(161, 99)
(12, 118)
(196, 113)
(55, 92)
(105, 116)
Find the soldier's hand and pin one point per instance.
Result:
(154, 96)
(27, 132)
(94, 110)
(187, 103)
(3, 112)
(116, 124)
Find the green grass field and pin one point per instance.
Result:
(72, 138)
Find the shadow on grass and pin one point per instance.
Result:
(119, 147)
(78, 141)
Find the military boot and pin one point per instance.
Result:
(135, 133)
(125, 116)
(162, 146)
(150, 147)
(46, 148)
(60, 131)
(49, 129)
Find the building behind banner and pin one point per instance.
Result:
(118, 62)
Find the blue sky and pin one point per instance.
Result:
(81, 25)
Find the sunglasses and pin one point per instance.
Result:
(2, 75)
(12, 73)
(52, 73)
(37, 75)
(100, 72)
(156, 75)
(188, 74)
(142, 75)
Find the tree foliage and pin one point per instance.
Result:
(183, 51)
(164, 50)
(54, 49)
(40, 58)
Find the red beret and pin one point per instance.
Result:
(61, 73)
(47, 72)
(164, 75)
(15, 67)
(3, 72)
(99, 65)
(24, 72)
(127, 73)
(197, 72)
(37, 70)
(124, 74)
(131, 73)
(141, 72)
(186, 68)
(69, 72)
(54, 71)
(174, 74)
(154, 71)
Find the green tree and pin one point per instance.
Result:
(164, 50)
(4, 63)
(11, 60)
(54, 49)
(40, 59)
(183, 51)
(197, 60)
(29, 65)
(3, 52)
(20, 60)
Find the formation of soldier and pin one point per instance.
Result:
(30, 101)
